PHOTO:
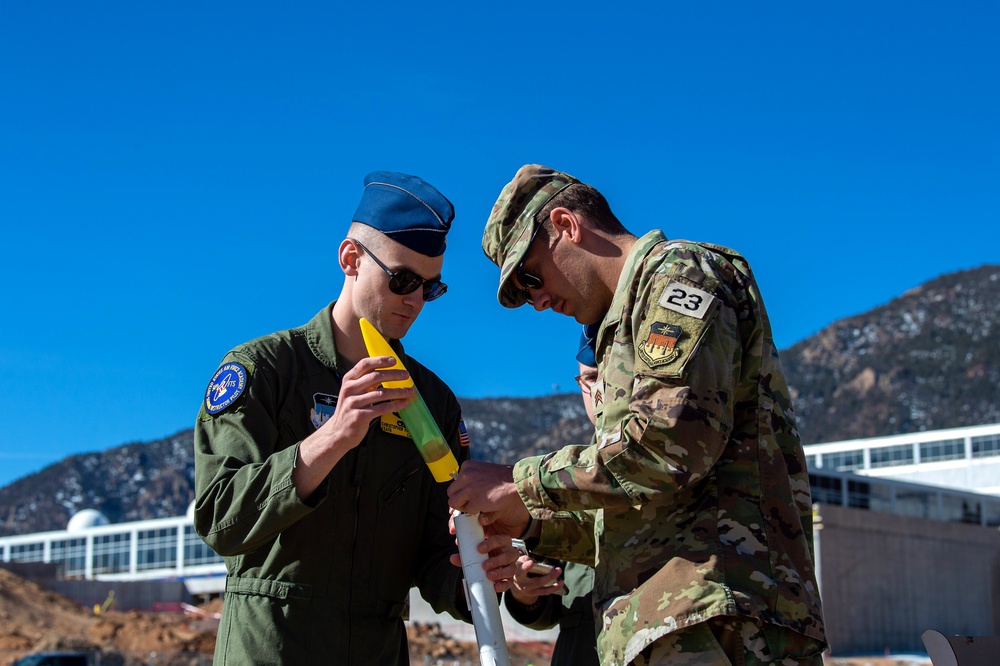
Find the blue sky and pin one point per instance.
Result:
(176, 177)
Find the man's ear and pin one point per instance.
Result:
(566, 222)
(348, 256)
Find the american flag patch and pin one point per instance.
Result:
(463, 434)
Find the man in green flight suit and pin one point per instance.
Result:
(307, 481)
(702, 530)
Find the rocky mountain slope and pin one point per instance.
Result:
(924, 361)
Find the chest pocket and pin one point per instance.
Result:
(395, 488)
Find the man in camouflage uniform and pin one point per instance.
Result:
(694, 501)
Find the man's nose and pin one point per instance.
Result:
(415, 299)
(540, 301)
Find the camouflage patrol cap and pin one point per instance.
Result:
(512, 224)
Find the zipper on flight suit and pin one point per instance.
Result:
(400, 488)
(357, 477)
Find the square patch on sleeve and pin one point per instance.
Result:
(686, 300)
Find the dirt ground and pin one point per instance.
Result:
(34, 619)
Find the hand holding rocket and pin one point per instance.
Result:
(418, 420)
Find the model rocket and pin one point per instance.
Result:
(479, 591)
(418, 420)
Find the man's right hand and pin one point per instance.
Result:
(488, 489)
(362, 398)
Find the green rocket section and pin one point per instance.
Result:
(418, 420)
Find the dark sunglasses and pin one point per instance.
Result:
(526, 279)
(406, 281)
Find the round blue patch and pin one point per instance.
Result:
(227, 385)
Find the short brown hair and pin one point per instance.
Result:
(586, 200)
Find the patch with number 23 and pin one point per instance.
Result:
(686, 300)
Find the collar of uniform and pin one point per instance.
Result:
(642, 247)
(319, 334)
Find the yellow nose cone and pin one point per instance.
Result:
(378, 346)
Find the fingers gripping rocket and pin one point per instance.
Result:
(424, 431)
(436, 453)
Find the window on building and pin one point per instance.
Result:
(985, 446)
(858, 494)
(917, 503)
(811, 461)
(958, 509)
(992, 510)
(825, 489)
(111, 552)
(952, 449)
(891, 456)
(27, 552)
(880, 497)
(70, 555)
(157, 549)
(196, 551)
(844, 461)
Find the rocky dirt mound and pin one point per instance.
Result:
(34, 619)
(29, 613)
(429, 641)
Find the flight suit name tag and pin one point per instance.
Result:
(392, 424)
(686, 300)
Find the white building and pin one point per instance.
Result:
(91, 548)
(963, 458)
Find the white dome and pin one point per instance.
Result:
(81, 520)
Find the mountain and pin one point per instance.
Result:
(130, 482)
(927, 360)
(924, 361)
(156, 479)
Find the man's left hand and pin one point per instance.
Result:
(502, 563)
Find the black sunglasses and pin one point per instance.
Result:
(528, 280)
(406, 281)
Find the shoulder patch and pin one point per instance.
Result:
(686, 300)
(463, 433)
(672, 327)
(226, 386)
(659, 347)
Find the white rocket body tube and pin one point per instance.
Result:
(479, 592)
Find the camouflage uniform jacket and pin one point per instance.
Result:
(325, 579)
(697, 481)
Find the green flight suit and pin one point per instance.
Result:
(697, 480)
(325, 580)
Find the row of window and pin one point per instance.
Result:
(905, 454)
(904, 500)
(112, 553)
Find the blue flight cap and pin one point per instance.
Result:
(407, 210)
(588, 345)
